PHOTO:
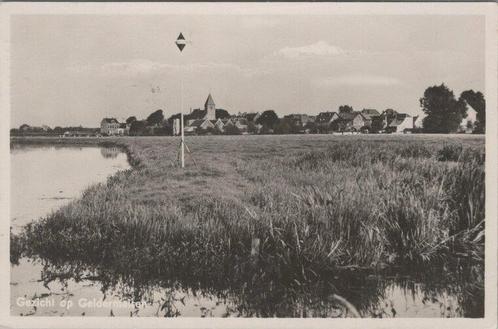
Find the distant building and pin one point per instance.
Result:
(176, 127)
(208, 113)
(468, 123)
(324, 120)
(369, 113)
(360, 121)
(210, 108)
(418, 121)
(110, 126)
(251, 117)
(213, 118)
(299, 120)
(401, 123)
(350, 121)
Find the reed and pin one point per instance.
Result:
(317, 204)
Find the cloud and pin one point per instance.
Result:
(146, 67)
(320, 48)
(358, 80)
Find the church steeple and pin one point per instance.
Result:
(210, 108)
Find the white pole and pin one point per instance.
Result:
(181, 124)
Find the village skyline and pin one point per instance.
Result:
(74, 80)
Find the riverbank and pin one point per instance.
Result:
(303, 206)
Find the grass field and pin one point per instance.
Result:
(316, 203)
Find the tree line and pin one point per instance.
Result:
(444, 112)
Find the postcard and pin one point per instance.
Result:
(248, 165)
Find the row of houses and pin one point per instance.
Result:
(364, 121)
(367, 120)
(371, 120)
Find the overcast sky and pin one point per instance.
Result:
(72, 70)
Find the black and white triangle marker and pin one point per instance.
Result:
(180, 42)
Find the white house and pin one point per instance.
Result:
(110, 126)
(418, 121)
(401, 123)
(467, 125)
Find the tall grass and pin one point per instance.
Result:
(345, 205)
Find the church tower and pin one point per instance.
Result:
(210, 108)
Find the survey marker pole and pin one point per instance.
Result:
(181, 127)
(180, 43)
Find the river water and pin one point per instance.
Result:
(45, 178)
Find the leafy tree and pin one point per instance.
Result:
(311, 127)
(137, 128)
(337, 125)
(390, 114)
(477, 101)
(268, 119)
(377, 124)
(345, 109)
(164, 130)
(222, 114)
(155, 118)
(444, 112)
(252, 128)
(131, 119)
(283, 127)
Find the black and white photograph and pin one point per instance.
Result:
(250, 164)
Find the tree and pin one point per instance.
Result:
(477, 101)
(390, 114)
(165, 129)
(311, 127)
(155, 118)
(377, 124)
(337, 125)
(252, 128)
(222, 114)
(58, 130)
(444, 112)
(283, 127)
(345, 109)
(131, 119)
(268, 119)
(137, 128)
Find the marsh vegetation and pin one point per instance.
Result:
(332, 216)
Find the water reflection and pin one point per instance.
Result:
(248, 290)
(110, 152)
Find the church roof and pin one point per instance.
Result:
(197, 114)
(209, 101)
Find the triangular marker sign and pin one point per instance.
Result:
(180, 46)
